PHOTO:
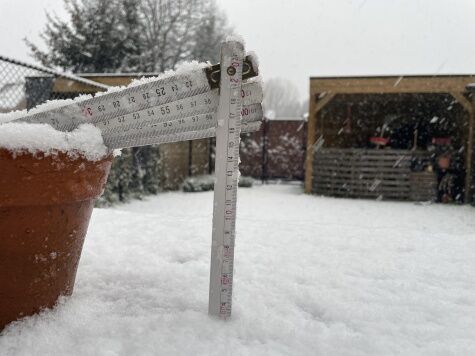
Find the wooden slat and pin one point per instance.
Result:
(352, 151)
(362, 169)
(347, 180)
(365, 158)
(364, 188)
(370, 174)
(335, 165)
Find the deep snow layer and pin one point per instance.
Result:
(33, 138)
(314, 276)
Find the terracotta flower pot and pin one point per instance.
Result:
(45, 206)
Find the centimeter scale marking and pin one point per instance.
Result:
(190, 114)
(195, 105)
(225, 188)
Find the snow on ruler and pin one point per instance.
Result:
(176, 106)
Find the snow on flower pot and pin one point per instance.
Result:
(47, 192)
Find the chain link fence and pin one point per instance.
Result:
(24, 86)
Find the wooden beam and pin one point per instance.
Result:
(316, 104)
(391, 85)
(462, 100)
(323, 101)
(62, 85)
(469, 153)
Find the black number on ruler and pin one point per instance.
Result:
(121, 119)
(150, 112)
(179, 107)
(136, 115)
(165, 110)
(189, 84)
(131, 100)
(174, 87)
(207, 101)
(116, 104)
(101, 108)
(146, 96)
(160, 91)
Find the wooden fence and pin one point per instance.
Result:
(376, 174)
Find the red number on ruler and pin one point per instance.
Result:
(87, 112)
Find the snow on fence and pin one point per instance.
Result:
(24, 85)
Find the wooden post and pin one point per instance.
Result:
(311, 137)
(469, 153)
(469, 106)
(315, 105)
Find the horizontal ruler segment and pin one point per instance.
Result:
(132, 99)
(149, 129)
(186, 136)
(194, 113)
(187, 107)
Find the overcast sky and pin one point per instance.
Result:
(297, 39)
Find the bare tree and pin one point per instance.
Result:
(178, 30)
(281, 98)
(132, 35)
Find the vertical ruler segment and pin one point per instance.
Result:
(225, 188)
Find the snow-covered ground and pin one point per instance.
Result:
(314, 276)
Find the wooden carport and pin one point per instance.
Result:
(324, 89)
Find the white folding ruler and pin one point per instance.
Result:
(212, 101)
(225, 188)
(178, 108)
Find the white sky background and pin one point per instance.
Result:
(296, 39)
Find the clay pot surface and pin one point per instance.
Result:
(45, 207)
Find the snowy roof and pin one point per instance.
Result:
(392, 84)
(359, 76)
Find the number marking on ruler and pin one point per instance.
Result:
(149, 129)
